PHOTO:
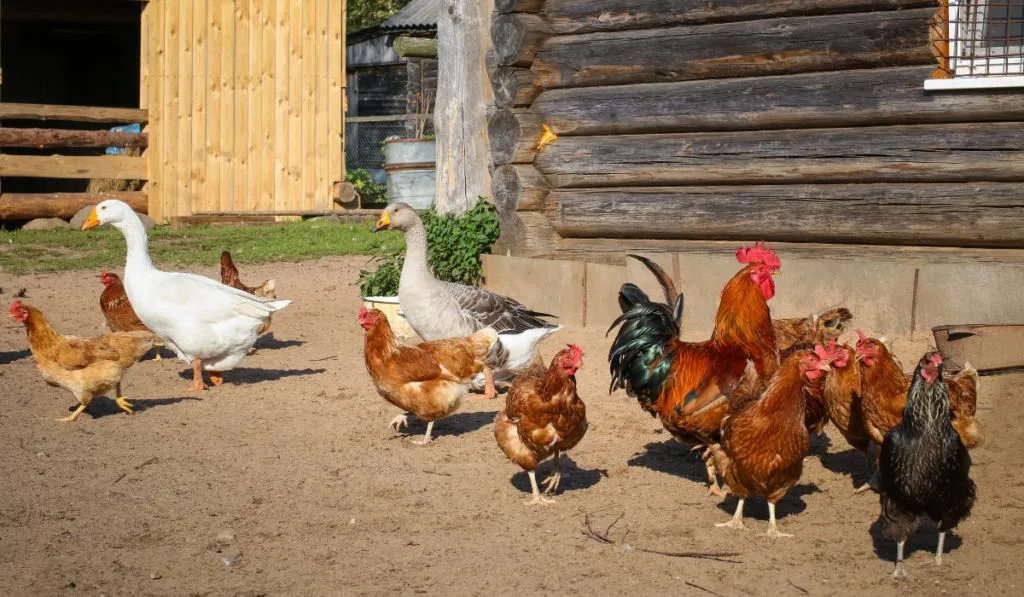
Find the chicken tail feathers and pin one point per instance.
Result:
(640, 356)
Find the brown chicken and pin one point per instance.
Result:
(116, 308)
(818, 328)
(843, 401)
(885, 386)
(765, 436)
(86, 368)
(543, 416)
(431, 379)
(685, 384)
(229, 277)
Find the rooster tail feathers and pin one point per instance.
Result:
(672, 296)
(640, 355)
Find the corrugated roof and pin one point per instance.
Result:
(418, 14)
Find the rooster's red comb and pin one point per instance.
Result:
(861, 336)
(759, 253)
(16, 306)
(575, 352)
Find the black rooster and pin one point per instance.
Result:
(924, 467)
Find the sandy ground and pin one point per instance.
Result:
(287, 481)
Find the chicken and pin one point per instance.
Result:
(207, 324)
(543, 415)
(818, 328)
(229, 277)
(118, 311)
(765, 436)
(685, 384)
(924, 468)
(431, 379)
(885, 393)
(843, 403)
(438, 309)
(86, 368)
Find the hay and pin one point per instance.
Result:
(113, 185)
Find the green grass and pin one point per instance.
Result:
(25, 252)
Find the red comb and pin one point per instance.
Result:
(863, 338)
(759, 253)
(575, 352)
(15, 305)
(821, 353)
(363, 311)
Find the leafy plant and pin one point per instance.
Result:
(454, 246)
(370, 191)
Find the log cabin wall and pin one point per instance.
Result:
(684, 122)
(245, 102)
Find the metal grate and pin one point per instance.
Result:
(365, 135)
(978, 38)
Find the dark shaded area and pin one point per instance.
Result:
(573, 477)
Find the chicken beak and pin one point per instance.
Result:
(383, 222)
(92, 221)
(777, 272)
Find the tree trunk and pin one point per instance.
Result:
(460, 113)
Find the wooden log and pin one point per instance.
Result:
(515, 38)
(415, 47)
(460, 112)
(923, 153)
(507, 6)
(613, 250)
(969, 214)
(518, 187)
(586, 16)
(513, 135)
(11, 111)
(513, 87)
(42, 138)
(742, 49)
(867, 98)
(28, 206)
(63, 166)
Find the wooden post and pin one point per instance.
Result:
(460, 113)
(415, 47)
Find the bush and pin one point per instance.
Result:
(454, 246)
(370, 191)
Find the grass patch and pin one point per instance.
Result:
(26, 252)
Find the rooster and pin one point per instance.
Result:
(431, 379)
(229, 277)
(924, 468)
(685, 384)
(765, 437)
(885, 393)
(543, 416)
(86, 368)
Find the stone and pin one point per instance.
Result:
(46, 224)
(78, 218)
(148, 222)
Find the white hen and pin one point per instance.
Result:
(209, 325)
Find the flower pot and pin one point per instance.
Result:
(409, 164)
(391, 309)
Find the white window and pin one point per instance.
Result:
(984, 47)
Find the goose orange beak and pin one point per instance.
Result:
(383, 222)
(92, 221)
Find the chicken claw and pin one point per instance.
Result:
(126, 406)
(426, 436)
(899, 573)
(555, 478)
(737, 519)
(216, 378)
(71, 418)
(538, 499)
(773, 530)
(399, 422)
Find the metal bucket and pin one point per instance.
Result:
(409, 164)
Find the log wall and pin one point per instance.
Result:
(696, 121)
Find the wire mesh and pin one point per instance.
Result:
(364, 141)
(978, 38)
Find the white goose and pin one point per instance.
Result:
(437, 309)
(210, 325)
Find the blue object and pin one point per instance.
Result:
(126, 128)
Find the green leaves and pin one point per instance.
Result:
(370, 191)
(454, 246)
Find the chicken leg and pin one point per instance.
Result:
(216, 377)
(737, 518)
(490, 391)
(773, 530)
(71, 418)
(537, 497)
(938, 549)
(121, 401)
(899, 573)
(197, 377)
(554, 479)
(399, 422)
(426, 437)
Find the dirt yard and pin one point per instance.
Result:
(287, 481)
